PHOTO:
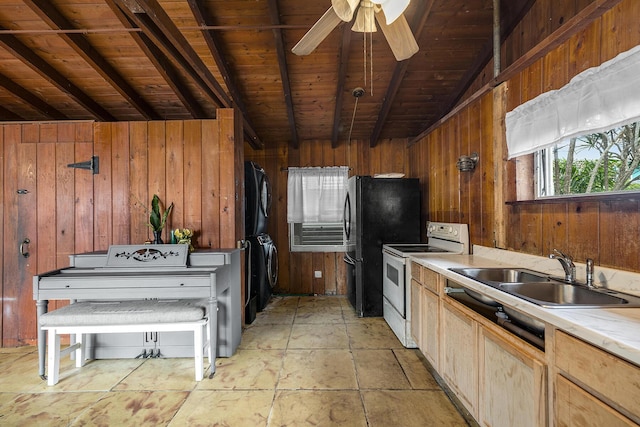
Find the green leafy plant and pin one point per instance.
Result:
(157, 219)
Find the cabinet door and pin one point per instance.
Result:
(430, 326)
(576, 407)
(416, 313)
(460, 355)
(512, 385)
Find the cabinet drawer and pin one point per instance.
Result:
(416, 271)
(576, 407)
(614, 380)
(430, 280)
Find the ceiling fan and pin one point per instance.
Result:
(388, 14)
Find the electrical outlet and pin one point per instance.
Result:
(317, 274)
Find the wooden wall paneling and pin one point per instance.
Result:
(466, 178)
(620, 29)
(192, 177)
(585, 49)
(555, 225)
(228, 161)
(532, 81)
(209, 235)
(453, 150)
(279, 207)
(3, 204)
(120, 184)
(555, 68)
(63, 204)
(531, 229)
(583, 223)
(157, 167)
(561, 12)
(46, 213)
(103, 213)
(492, 201)
(540, 22)
(317, 261)
(449, 191)
(84, 200)
(618, 235)
(17, 292)
(12, 135)
(138, 178)
(175, 175)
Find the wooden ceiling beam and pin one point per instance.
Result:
(162, 64)
(50, 74)
(418, 23)
(7, 115)
(343, 62)
(274, 14)
(29, 98)
(161, 29)
(52, 16)
(214, 44)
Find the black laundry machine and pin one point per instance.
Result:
(257, 199)
(262, 270)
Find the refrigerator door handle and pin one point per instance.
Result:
(346, 217)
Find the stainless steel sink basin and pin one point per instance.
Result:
(541, 289)
(556, 293)
(502, 275)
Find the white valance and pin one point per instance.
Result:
(316, 194)
(595, 100)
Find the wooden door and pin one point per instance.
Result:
(47, 214)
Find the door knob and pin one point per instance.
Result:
(25, 242)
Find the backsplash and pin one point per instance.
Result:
(619, 280)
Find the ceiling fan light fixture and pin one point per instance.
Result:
(393, 8)
(365, 20)
(345, 8)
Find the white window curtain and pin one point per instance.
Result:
(595, 100)
(316, 194)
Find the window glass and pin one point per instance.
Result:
(594, 163)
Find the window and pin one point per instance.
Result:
(594, 163)
(315, 204)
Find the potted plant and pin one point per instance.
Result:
(157, 219)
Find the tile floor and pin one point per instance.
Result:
(305, 361)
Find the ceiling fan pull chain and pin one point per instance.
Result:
(364, 54)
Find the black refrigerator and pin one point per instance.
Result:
(376, 211)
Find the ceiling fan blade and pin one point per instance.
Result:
(393, 8)
(399, 36)
(317, 33)
(345, 8)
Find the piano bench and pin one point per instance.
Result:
(91, 317)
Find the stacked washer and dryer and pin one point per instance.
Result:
(262, 255)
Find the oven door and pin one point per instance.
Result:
(393, 281)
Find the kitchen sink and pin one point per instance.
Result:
(557, 293)
(491, 276)
(543, 290)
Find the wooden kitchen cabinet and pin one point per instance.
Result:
(430, 333)
(459, 366)
(416, 312)
(425, 285)
(594, 387)
(512, 382)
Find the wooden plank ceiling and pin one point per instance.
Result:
(132, 60)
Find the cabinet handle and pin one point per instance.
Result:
(26, 241)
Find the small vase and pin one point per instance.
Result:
(157, 237)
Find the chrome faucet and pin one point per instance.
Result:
(590, 273)
(567, 264)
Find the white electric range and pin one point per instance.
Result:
(442, 239)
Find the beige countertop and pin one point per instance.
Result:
(616, 330)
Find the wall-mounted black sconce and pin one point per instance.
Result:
(467, 163)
